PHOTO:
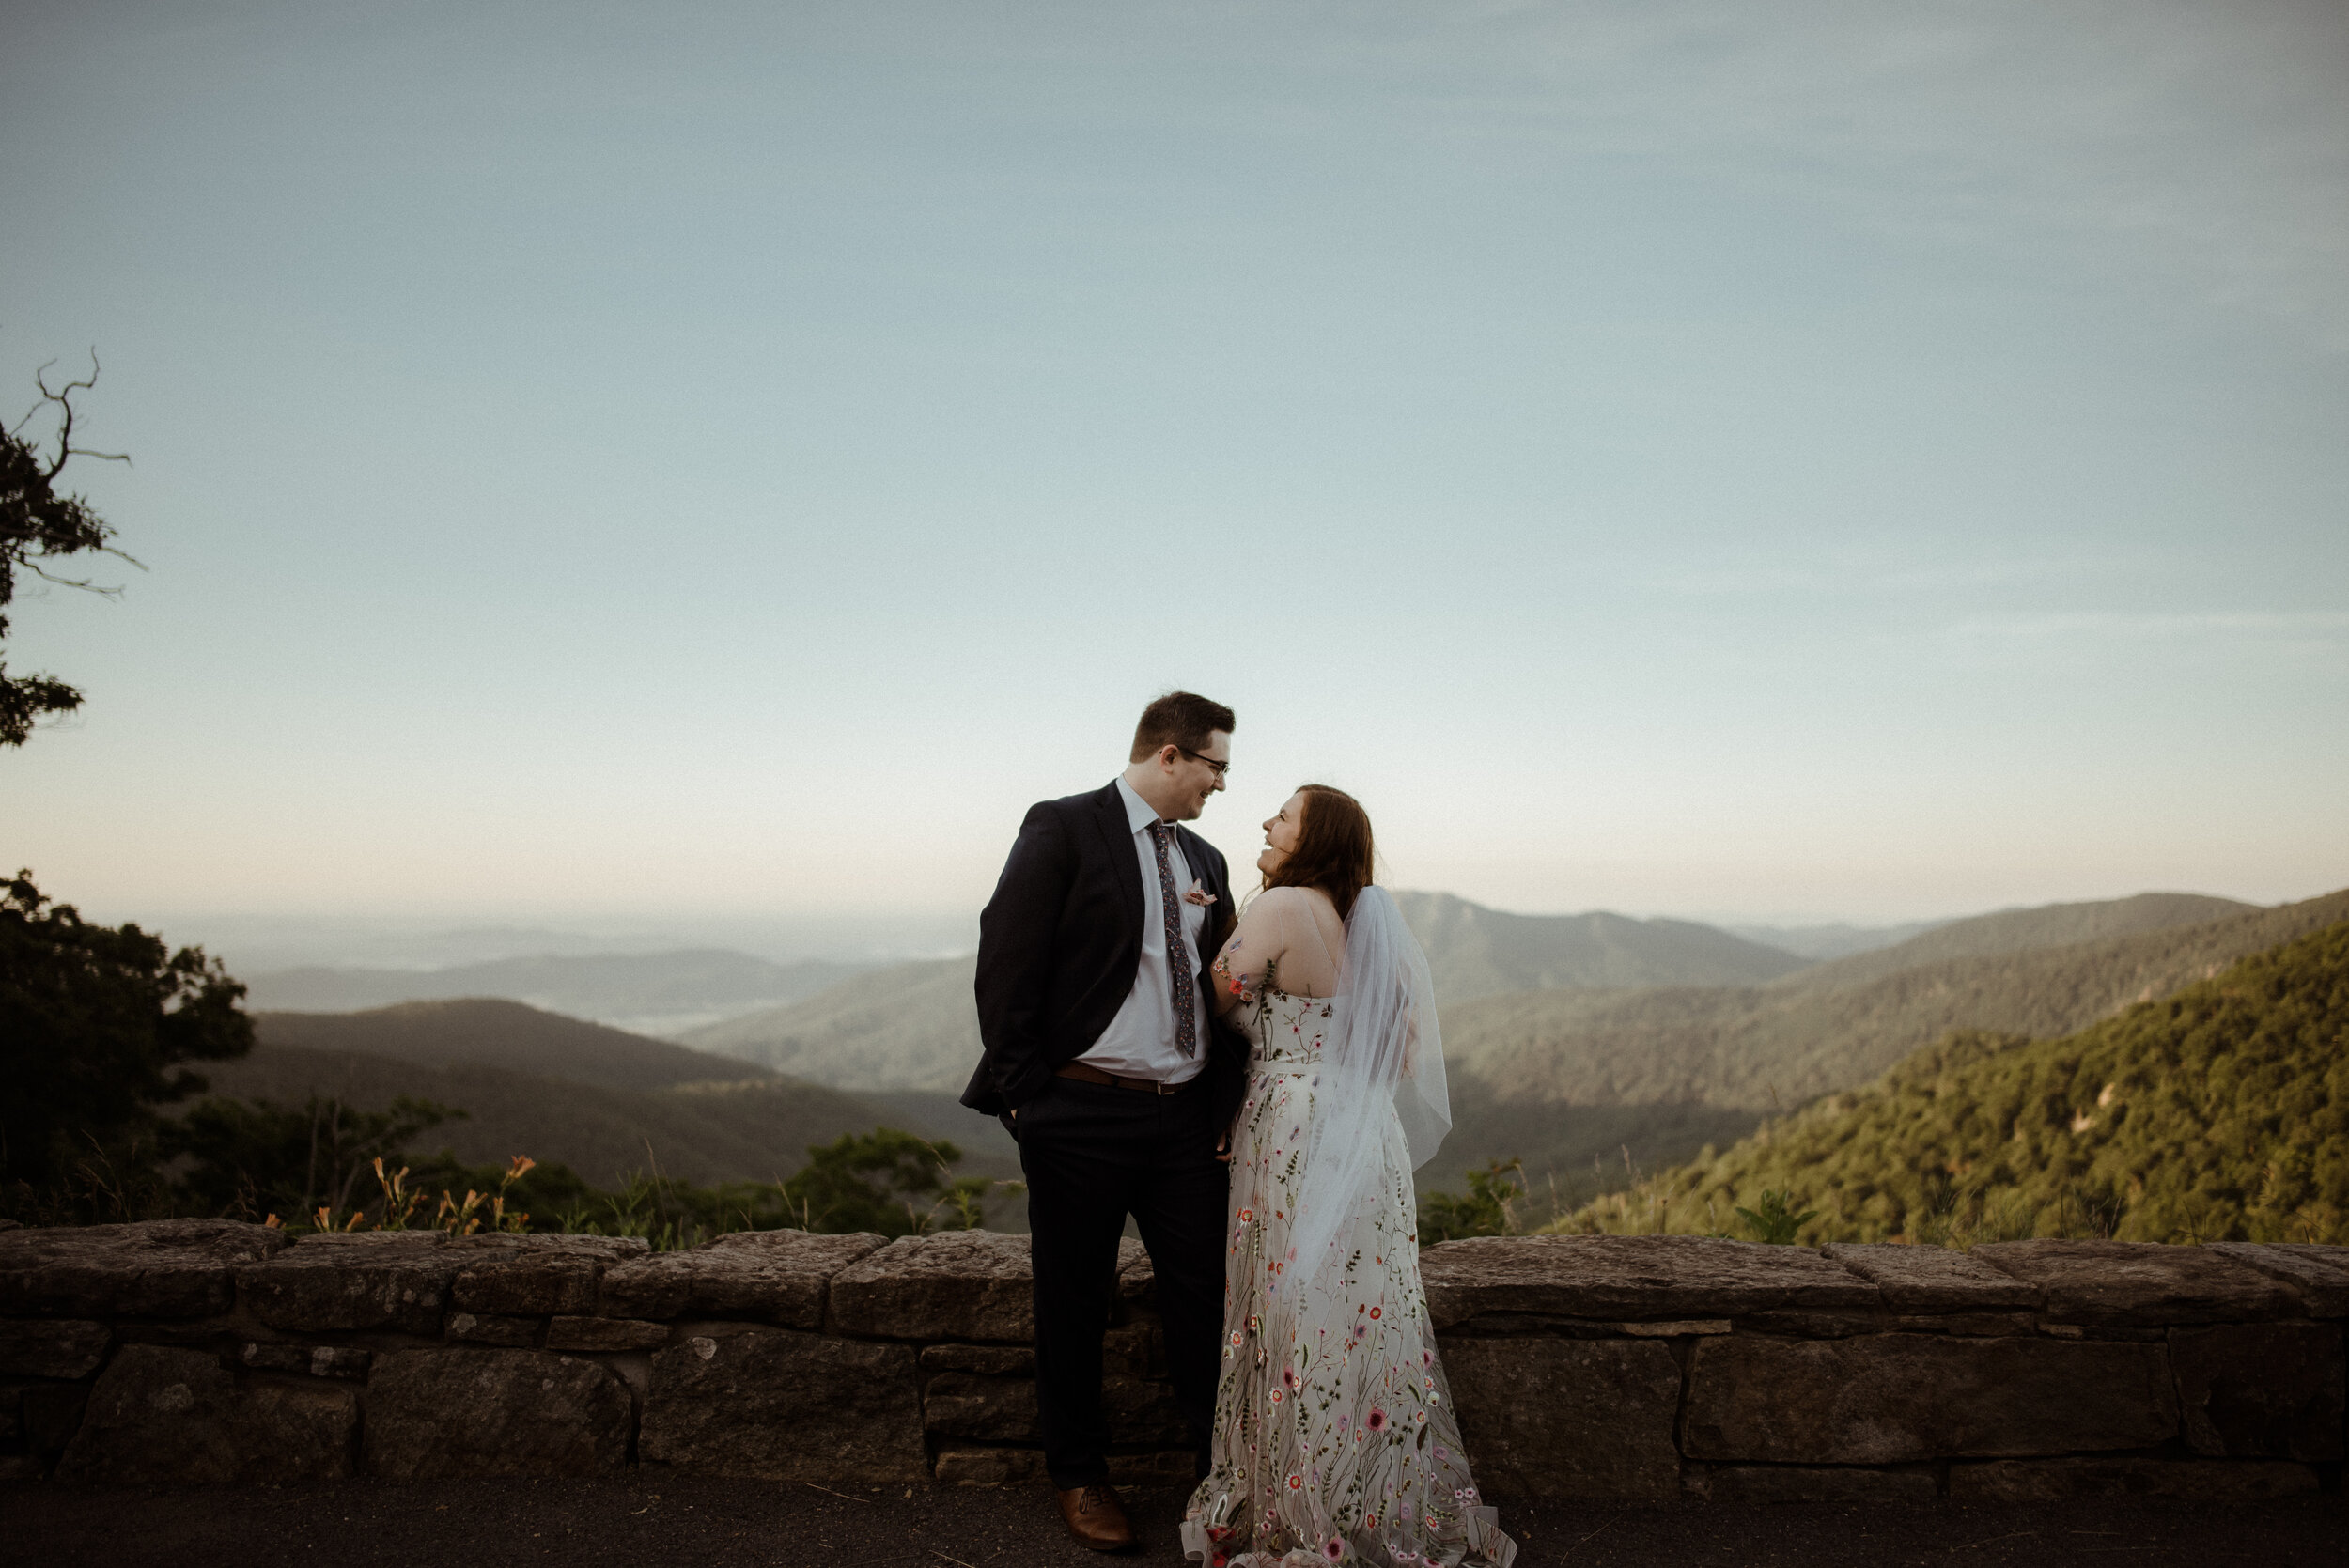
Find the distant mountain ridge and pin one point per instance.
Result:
(915, 1026)
(666, 991)
(2022, 931)
(508, 1035)
(1779, 1045)
(1475, 951)
(1837, 940)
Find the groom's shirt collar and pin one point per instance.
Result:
(1139, 813)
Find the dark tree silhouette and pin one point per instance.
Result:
(95, 1021)
(38, 525)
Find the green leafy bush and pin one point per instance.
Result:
(1489, 1208)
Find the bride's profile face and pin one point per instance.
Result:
(1280, 832)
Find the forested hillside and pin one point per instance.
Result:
(1584, 1086)
(2024, 931)
(2222, 1112)
(910, 1026)
(1777, 1045)
(504, 1034)
(1475, 951)
(749, 1133)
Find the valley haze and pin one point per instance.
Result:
(1593, 1048)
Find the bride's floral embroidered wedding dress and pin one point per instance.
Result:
(1334, 1438)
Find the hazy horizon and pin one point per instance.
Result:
(260, 943)
(1772, 466)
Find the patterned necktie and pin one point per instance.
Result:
(1186, 1001)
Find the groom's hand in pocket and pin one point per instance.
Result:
(1224, 1148)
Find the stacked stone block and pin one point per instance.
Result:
(1627, 1368)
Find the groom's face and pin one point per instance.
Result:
(1192, 779)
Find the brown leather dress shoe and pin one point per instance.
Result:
(1095, 1518)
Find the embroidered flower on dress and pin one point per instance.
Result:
(1333, 1548)
(1377, 1419)
(1374, 1311)
(1296, 1482)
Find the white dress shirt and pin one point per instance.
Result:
(1140, 1041)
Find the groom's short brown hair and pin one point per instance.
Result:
(1183, 719)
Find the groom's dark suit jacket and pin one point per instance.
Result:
(1059, 945)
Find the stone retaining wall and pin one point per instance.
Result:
(1632, 1368)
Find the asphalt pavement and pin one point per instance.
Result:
(652, 1521)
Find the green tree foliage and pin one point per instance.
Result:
(263, 1158)
(1488, 1210)
(95, 1021)
(37, 526)
(885, 1181)
(2220, 1113)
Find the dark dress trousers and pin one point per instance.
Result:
(1060, 943)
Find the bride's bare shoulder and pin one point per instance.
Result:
(1282, 905)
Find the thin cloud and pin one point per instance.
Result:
(2207, 145)
(2121, 625)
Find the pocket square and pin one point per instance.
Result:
(1199, 893)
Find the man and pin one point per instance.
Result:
(1104, 1057)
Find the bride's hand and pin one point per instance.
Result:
(1224, 1148)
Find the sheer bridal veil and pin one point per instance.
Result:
(1383, 1050)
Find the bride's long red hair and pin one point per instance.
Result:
(1333, 848)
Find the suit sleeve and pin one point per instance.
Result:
(1015, 938)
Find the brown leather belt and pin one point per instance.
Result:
(1085, 1073)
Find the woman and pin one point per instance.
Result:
(1335, 1438)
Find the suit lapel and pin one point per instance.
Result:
(1203, 865)
(1124, 864)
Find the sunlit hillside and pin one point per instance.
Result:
(2220, 1113)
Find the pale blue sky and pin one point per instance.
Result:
(1728, 461)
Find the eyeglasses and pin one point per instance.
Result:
(1220, 768)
